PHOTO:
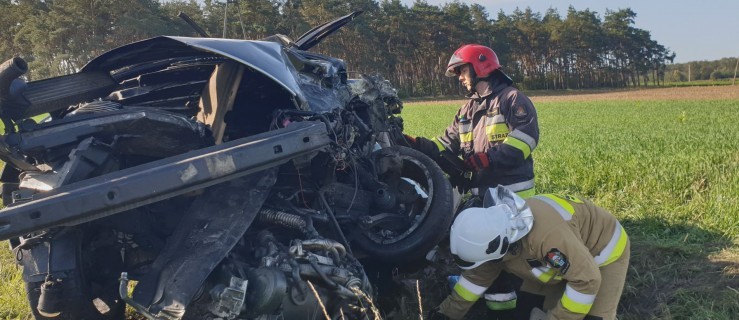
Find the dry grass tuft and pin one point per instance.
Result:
(420, 304)
(360, 294)
(323, 307)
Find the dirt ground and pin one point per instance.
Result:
(676, 93)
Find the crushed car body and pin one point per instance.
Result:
(231, 179)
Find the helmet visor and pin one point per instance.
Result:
(452, 67)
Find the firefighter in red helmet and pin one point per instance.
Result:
(495, 133)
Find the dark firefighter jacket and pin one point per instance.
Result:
(502, 122)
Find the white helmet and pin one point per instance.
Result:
(480, 235)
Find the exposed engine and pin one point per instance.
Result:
(285, 278)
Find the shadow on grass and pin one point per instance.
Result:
(679, 271)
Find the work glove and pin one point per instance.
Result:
(424, 145)
(478, 161)
(435, 314)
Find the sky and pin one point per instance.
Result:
(693, 29)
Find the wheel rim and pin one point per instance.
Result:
(417, 174)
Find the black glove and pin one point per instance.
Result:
(453, 166)
(435, 314)
(406, 141)
(426, 146)
(449, 162)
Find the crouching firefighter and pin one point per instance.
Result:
(572, 256)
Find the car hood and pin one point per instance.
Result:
(265, 57)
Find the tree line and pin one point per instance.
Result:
(725, 68)
(410, 45)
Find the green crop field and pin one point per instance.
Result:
(668, 169)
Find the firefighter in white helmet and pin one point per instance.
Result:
(565, 249)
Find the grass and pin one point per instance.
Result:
(12, 293)
(668, 169)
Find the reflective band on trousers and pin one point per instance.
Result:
(530, 143)
(504, 305)
(468, 290)
(501, 297)
(501, 301)
(560, 205)
(614, 248)
(576, 301)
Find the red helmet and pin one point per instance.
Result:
(483, 60)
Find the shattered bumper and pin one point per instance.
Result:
(155, 181)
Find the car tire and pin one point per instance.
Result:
(433, 228)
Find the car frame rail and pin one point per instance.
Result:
(133, 187)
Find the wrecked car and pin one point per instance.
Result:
(209, 178)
